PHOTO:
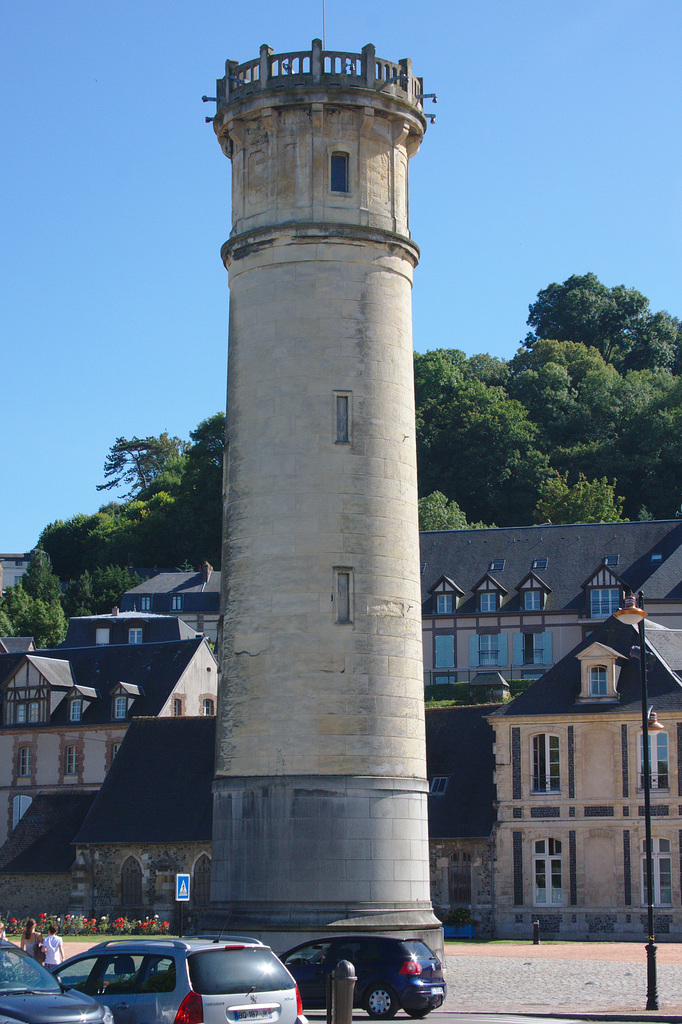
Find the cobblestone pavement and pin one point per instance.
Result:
(571, 977)
(556, 977)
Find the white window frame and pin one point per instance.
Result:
(659, 760)
(444, 604)
(532, 601)
(545, 755)
(70, 760)
(598, 680)
(76, 710)
(24, 762)
(488, 651)
(34, 711)
(102, 636)
(120, 709)
(20, 804)
(145, 603)
(21, 713)
(661, 864)
(548, 867)
(485, 598)
(208, 707)
(604, 601)
(176, 602)
(135, 635)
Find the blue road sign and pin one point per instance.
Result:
(181, 888)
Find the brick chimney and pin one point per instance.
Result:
(206, 570)
(114, 610)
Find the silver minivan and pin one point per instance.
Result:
(186, 981)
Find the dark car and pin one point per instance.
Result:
(391, 973)
(30, 994)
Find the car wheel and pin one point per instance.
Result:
(417, 1014)
(381, 1002)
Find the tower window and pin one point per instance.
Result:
(342, 419)
(343, 596)
(339, 172)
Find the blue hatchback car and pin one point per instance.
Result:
(391, 973)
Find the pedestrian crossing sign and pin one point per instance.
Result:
(181, 888)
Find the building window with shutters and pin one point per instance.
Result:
(486, 649)
(532, 648)
(444, 650)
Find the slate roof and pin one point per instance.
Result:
(154, 668)
(158, 789)
(555, 692)
(197, 595)
(42, 842)
(156, 628)
(11, 644)
(572, 552)
(459, 744)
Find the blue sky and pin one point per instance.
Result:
(556, 150)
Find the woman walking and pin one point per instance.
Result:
(32, 940)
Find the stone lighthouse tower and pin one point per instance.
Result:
(320, 792)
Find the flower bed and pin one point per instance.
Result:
(75, 924)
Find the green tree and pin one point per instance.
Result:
(31, 616)
(584, 502)
(139, 461)
(437, 513)
(616, 321)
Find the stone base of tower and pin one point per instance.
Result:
(297, 857)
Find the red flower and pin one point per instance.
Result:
(43, 915)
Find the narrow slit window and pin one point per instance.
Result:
(339, 172)
(342, 419)
(343, 595)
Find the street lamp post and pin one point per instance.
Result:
(635, 616)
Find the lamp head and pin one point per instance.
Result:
(631, 614)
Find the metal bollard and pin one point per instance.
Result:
(340, 987)
(536, 933)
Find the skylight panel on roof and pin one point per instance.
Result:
(497, 565)
(656, 556)
(610, 559)
(422, 567)
(539, 563)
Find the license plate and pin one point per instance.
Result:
(436, 991)
(255, 1014)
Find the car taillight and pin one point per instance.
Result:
(411, 967)
(299, 1003)
(190, 1010)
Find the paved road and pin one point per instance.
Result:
(560, 978)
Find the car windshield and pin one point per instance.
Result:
(20, 973)
(228, 971)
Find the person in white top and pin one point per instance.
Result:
(53, 947)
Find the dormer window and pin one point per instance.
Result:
(34, 711)
(76, 710)
(487, 601)
(604, 601)
(176, 602)
(101, 636)
(599, 672)
(533, 600)
(135, 635)
(145, 604)
(598, 681)
(120, 708)
(443, 604)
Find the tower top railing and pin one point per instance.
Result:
(329, 69)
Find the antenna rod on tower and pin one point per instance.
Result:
(324, 31)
